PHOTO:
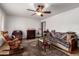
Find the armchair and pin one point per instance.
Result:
(14, 44)
(17, 34)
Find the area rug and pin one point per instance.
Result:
(31, 49)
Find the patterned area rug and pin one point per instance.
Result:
(31, 49)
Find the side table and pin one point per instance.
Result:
(43, 45)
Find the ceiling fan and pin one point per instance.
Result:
(39, 11)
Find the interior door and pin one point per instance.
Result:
(43, 27)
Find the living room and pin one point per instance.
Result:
(24, 17)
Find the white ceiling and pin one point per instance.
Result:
(19, 9)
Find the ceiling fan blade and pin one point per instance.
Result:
(31, 10)
(47, 12)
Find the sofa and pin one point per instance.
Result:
(66, 40)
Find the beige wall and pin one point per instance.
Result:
(2, 18)
(66, 21)
(21, 23)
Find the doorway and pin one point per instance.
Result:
(43, 27)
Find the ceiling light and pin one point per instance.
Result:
(38, 13)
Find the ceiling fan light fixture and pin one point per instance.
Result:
(38, 13)
(40, 10)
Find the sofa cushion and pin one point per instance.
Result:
(60, 38)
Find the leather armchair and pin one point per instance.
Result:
(14, 44)
(17, 34)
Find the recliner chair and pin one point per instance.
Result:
(17, 34)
